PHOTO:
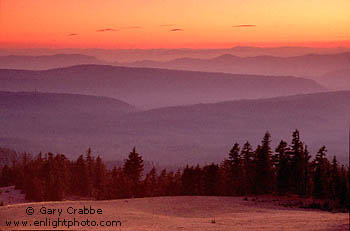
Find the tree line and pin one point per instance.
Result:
(287, 169)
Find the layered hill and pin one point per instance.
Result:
(151, 88)
(178, 135)
(26, 116)
(337, 80)
(311, 65)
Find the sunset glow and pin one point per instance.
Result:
(173, 24)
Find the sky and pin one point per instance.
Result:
(173, 23)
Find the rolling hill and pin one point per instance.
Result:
(151, 88)
(311, 65)
(176, 135)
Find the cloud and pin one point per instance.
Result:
(244, 25)
(167, 25)
(72, 34)
(177, 29)
(106, 30)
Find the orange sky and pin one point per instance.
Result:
(173, 23)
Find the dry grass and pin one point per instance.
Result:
(190, 213)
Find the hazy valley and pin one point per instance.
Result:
(183, 134)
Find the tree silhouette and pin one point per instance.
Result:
(283, 171)
(133, 168)
(286, 171)
(264, 172)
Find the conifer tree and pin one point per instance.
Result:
(248, 167)
(211, 180)
(283, 171)
(320, 177)
(90, 166)
(235, 168)
(297, 164)
(151, 183)
(264, 172)
(162, 183)
(99, 178)
(81, 182)
(133, 168)
(306, 188)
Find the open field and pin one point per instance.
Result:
(182, 213)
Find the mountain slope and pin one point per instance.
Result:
(150, 88)
(32, 121)
(184, 134)
(338, 80)
(207, 130)
(311, 65)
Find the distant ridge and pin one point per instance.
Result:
(150, 87)
(310, 65)
(132, 55)
(46, 61)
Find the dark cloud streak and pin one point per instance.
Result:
(106, 30)
(176, 29)
(244, 25)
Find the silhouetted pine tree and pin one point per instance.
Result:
(99, 179)
(90, 165)
(298, 165)
(235, 171)
(120, 185)
(81, 183)
(211, 180)
(320, 176)
(177, 183)
(133, 168)
(248, 168)
(283, 168)
(162, 183)
(150, 183)
(172, 184)
(191, 180)
(334, 180)
(264, 171)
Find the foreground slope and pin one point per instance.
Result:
(177, 135)
(184, 213)
(150, 88)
